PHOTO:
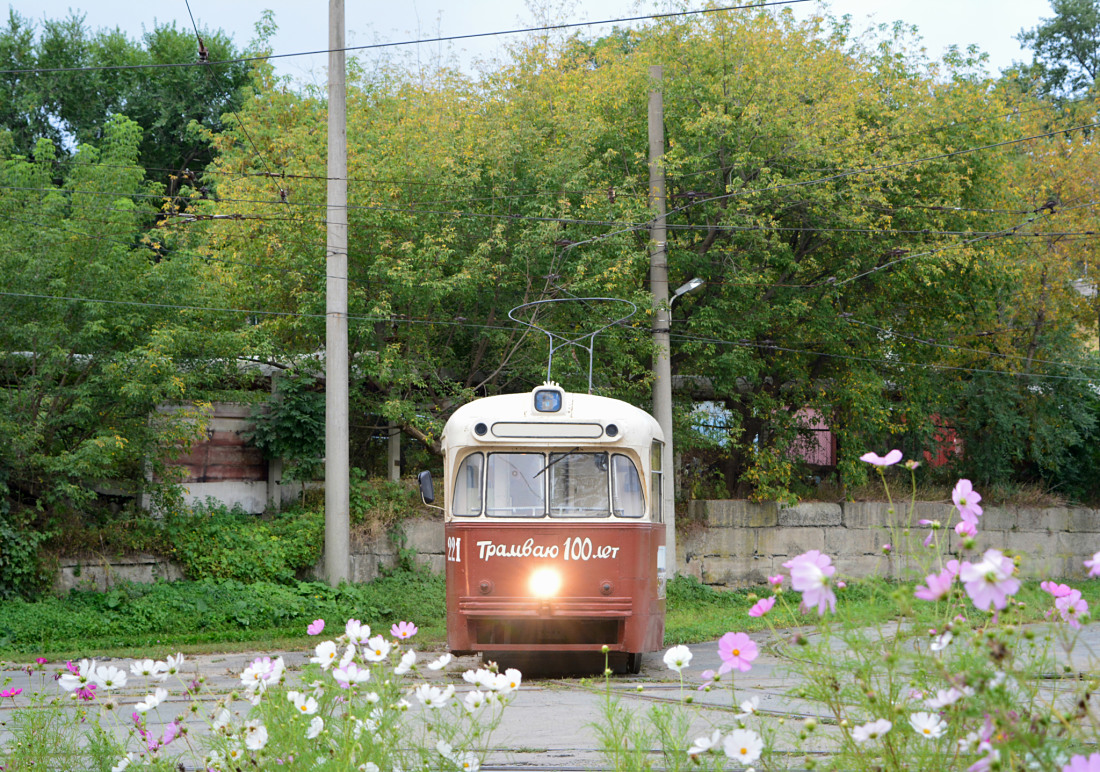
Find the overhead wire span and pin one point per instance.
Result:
(624, 330)
(399, 43)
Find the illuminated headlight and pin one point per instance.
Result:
(545, 583)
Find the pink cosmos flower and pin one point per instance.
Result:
(1055, 589)
(886, 548)
(966, 528)
(41, 660)
(1082, 764)
(10, 693)
(989, 582)
(404, 630)
(810, 575)
(86, 693)
(938, 586)
(966, 501)
(1093, 565)
(778, 578)
(889, 459)
(952, 566)
(710, 678)
(934, 525)
(737, 651)
(762, 607)
(1072, 607)
(316, 626)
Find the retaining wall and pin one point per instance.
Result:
(739, 543)
(733, 543)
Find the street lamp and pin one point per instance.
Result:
(694, 285)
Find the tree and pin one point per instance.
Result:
(97, 331)
(1065, 49)
(871, 226)
(74, 107)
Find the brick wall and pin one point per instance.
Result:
(739, 543)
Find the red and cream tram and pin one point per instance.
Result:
(554, 535)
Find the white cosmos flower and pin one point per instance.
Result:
(152, 700)
(221, 719)
(373, 698)
(109, 677)
(440, 663)
(173, 665)
(376, 649)
(468, 762)
(316, 726)
(235, 754)
(368, 766)
(357, 631)
(408, 659)
(704, 744)
(255, 736)
(352, 674)
(303, 703)
(927, 725)
(349, 655)
(70, 681)
(677, 658)
(123, 763)
(945, 697)
(482, 677)
(474, 700)
(941, 642)
(871, 730)
(748, 707)
(743, 746)
(433, 696)
(324, 654)
(146, 668)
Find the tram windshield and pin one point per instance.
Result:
(565, 484)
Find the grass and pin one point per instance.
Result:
(699, 613)
(227, 616)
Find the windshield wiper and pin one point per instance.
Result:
(556, 460)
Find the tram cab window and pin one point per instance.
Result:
(467, 500)
(513, 485)
(578, 485)
(656, 481)
(627, 499)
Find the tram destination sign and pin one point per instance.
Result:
(571, 548)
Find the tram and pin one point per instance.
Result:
(555, 540)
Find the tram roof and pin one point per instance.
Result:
(634, 425)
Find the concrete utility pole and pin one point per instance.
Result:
(658, 285)
(337, 453)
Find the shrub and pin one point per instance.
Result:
(212, 541)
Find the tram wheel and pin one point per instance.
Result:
(634, 662)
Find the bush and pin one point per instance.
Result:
(214, 542)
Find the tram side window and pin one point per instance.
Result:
(627, 499)
(514, 487)
(467, 500)
(656, 481)
(578, 485)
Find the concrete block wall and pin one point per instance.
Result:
(367, 556)
(740, 543)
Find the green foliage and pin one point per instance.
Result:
(291, 426)
(188, 612)
(212, 541)
(166, 102)
(22, 570)
(1065, 48)
(380, 504)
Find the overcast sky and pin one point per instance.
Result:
(990, 24)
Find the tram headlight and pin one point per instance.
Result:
(545, 583)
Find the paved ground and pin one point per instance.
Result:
(549, 724)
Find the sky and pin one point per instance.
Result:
(303, 24)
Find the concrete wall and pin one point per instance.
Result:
(738, 543)
(367, 556)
